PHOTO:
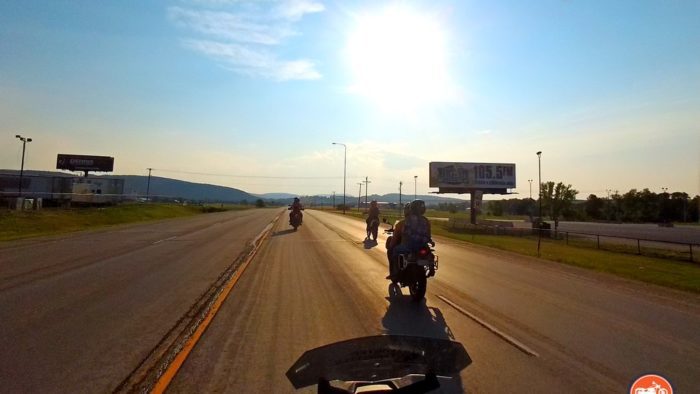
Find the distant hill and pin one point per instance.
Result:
(173, 188)
(389, 198)
(275, 196)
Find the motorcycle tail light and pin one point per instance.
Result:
(423, 252)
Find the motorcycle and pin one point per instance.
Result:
(413, 269)
(296, 218)
(380, 364)
(373, 229)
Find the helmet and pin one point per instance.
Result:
(296, 199)
(407, 209)
(418, 207)
(373, 203)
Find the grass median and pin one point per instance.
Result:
(664, 272)
(49, 221)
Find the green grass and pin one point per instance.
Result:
(25, 224)
(659, 271)
(664, 272)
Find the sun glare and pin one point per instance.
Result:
(398, 59)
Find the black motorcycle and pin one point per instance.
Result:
(412, 270)
(295, 218)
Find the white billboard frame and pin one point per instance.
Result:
(466, 177)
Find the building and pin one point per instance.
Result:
(57, 189)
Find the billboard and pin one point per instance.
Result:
(455, 177)
(84, 163)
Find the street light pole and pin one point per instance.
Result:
(21, 169)
(539, 222)
(400, 203)
(345, 166)
(530, 180)
(415, 187)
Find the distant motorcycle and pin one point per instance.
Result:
(373, 229)
(295, 218)
(414, 269)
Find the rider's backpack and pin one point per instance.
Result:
(416, 232)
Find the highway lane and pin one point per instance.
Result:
(612, 326)
(79, 312)
(591, 332)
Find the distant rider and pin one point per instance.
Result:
(296, 208)
(373, 214)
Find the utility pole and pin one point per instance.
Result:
(334, 201)
(21, 169)
(359, 196)
(366, 182)
(530, 180)
(400, 203)
(148, 185)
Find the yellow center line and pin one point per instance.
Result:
(169, 374)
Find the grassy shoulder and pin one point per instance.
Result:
(26, 224)
(659, 271)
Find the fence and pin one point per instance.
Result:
(640, 246)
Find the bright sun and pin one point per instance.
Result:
(398, 59)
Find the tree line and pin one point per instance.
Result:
(559, 203)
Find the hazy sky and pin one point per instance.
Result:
(608, 90)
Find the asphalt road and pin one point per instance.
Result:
(589, 332)
(79, 312)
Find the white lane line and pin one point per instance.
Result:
(163, 240)
(491, 328)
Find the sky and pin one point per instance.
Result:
(252, 94)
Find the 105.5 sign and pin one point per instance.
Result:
(472, 176)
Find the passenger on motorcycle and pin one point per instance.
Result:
(396, 239)
(416, 232)
(295, 208)
(373, 214)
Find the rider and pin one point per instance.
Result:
(296, 208)
(396, 239)
(373, 213)
(415, 233)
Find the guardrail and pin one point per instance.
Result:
(640, 246)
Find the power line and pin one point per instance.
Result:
(265, 176)
(245, 176)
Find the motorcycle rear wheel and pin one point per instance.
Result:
(418, 288)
